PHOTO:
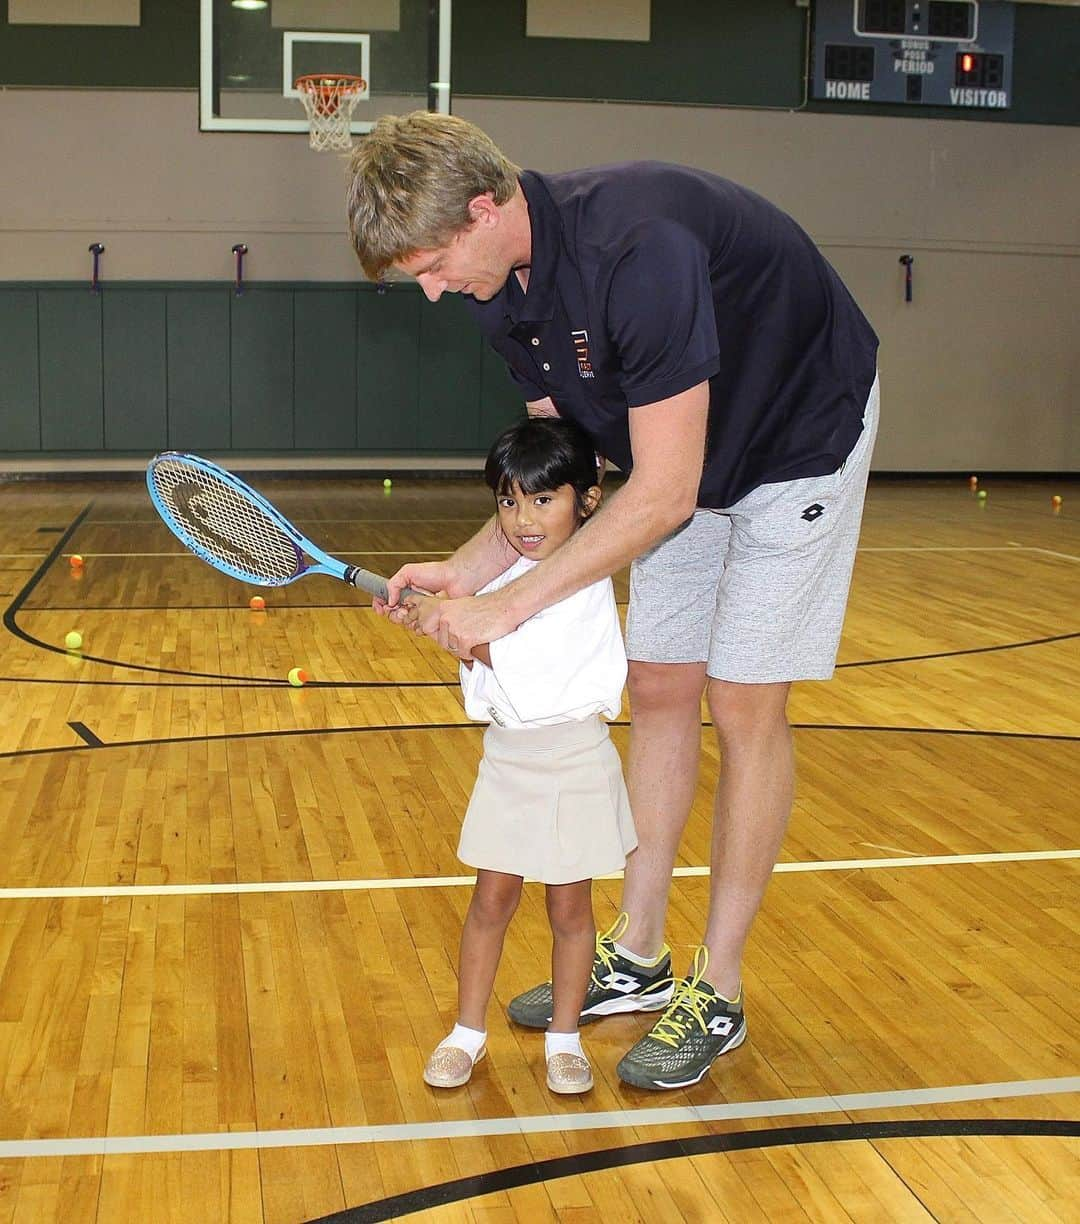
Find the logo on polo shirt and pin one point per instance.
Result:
(581, 348)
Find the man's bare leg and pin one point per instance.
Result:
(753, 804)
(665, 747)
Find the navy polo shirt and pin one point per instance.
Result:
(647, 279)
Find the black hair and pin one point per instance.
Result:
(542, 454)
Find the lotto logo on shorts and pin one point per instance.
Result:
(813, 512)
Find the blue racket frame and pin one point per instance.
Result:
(321, 562)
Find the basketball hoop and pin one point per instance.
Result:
(329, 100)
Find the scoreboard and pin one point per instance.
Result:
(931, 52)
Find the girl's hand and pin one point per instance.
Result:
(421, 576)
(418, 610)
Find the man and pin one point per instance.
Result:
(714, 355)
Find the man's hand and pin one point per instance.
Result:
(458, 625)
(420, 576)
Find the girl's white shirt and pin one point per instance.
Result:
(566, 663)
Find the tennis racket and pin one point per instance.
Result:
(226, 523)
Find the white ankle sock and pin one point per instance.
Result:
(467, 1039)
(644, 961)
(562, 1043)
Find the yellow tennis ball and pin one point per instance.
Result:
(387, 483)
(298, 677)
(73, 641)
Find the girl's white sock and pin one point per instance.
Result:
(562, 1043)
(467, 1039)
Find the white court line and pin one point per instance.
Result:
(403, 1132)
(891, 849)
(1050, 553)
(299, 886)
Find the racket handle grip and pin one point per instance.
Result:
(374, 584)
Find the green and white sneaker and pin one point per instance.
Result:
(691, 1035)
(616, 985)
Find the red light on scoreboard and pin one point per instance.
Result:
(979, 69)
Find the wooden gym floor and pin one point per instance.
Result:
(229, 909)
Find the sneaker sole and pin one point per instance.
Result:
(655, 1085)
(608, 1007)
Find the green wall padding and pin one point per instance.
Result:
(281, 369)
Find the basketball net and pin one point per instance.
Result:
(329, 102)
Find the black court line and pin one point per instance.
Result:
(296, 520)
(233, 682)
(269, 610)
(210, 739)
(619, 603)
(427, 1198)
(16, 606)
(85, 734)
(12, 626)
(971, 650)
(289, 732)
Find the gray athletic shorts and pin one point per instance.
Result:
(756, 591)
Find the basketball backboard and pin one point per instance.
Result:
(252, 51)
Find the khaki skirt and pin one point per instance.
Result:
(549, 803)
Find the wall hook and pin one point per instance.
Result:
(95, 249)
(239, 250)
(907, 261)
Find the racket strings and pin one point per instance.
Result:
(225, 525)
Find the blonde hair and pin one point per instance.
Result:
(410, 183)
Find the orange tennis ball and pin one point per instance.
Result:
(298, 677)
(1055, 501)
(75, 561)
(973, 482)
(256, 603)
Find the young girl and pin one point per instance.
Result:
(549, 801)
